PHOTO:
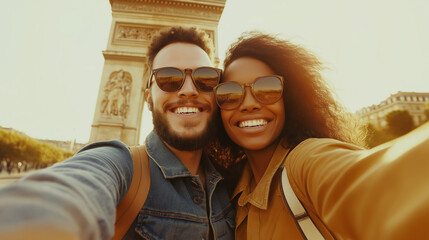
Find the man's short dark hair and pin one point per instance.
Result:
(178, 34)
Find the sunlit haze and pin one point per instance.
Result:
(51, 53)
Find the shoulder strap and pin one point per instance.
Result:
(302, 219)
(130, 206)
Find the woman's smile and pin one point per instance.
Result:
(252, 123)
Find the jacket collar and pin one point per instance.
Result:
(259, 196)
(168, 163)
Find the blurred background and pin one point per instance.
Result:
(375, 53)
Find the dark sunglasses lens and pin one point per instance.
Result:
(169, 79)
(229, 95)
(206, 78)
(268, 90)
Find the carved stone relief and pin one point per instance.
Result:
(127, 32)
(140, 33)
(171, 8)
(210, 35)
(117, 91)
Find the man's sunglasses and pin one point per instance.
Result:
(266, 90)
(171, 79)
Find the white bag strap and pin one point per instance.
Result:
(302, 219)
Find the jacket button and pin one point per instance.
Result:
(195, 183)
(197, 200)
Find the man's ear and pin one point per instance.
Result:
(148, 97)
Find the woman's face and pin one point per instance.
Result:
(253, 125)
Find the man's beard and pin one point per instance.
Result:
(164, 131)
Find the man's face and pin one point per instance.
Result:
(183, 119)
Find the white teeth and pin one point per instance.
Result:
(252, 123)
(186, 110)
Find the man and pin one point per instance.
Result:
(187, 198)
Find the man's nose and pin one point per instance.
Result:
(188, 88)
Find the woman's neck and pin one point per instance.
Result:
(260, 159)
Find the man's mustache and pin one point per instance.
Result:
(193, 102)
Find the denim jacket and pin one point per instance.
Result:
(78, 197)
(178, 206)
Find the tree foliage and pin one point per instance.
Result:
(18, 147)
(399, 122)
(375, 136)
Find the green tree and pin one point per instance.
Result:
(399, 122)
(18, 147)
(375, 136)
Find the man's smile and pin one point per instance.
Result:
(186, 110)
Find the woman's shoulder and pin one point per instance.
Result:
(323, 144)
(322, 148)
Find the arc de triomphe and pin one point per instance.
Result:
(120, 101)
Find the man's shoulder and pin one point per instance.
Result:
(112, 152)
(105, 145)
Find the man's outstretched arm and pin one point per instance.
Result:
(74, 199)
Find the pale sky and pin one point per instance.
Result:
(51, 61)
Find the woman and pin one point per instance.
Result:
(278, 110)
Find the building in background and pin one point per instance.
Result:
(413, 102)
(71, 146)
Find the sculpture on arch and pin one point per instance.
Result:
(116, 100)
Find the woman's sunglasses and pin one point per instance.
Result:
(266, 90)
(171, 79)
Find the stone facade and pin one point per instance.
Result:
(125, 74)
(413, 102)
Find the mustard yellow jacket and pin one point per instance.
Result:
(349, 192)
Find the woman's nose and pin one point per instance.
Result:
(249, 103)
